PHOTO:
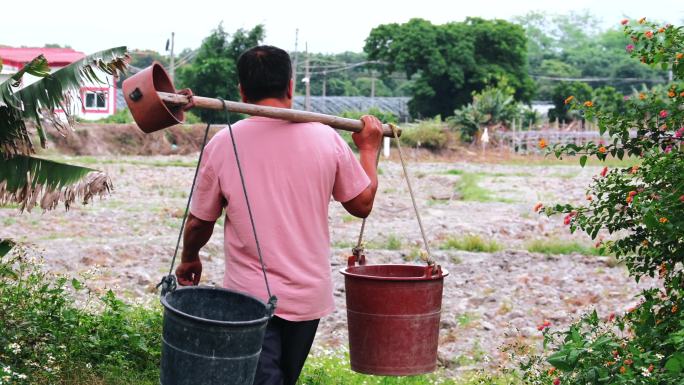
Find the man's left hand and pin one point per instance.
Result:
(189, 273)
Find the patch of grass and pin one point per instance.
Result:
(343, 244)
(347, 218)
(332, 368)
(393, 242)
(557, 247)
(470, 190)
(466, 320)
(453, 171)
(471, 243)
(94, 160)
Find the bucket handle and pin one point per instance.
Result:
(357, 256)
(432, 272)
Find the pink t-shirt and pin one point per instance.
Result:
(291, 171)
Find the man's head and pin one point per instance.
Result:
(265, 72)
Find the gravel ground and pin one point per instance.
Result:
(490, 299)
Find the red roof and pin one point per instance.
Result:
(56, 57)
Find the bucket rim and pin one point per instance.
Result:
(347, 273)
(257, 321)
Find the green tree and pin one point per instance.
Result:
(452, 60)
(212, 72)
(561, 110)
(573, 46)
(609, 99)
(26, 180)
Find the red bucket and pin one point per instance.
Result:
(393, 316)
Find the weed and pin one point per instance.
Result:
(557, 246)
(472, 243)
(393, 242)
(467, 186)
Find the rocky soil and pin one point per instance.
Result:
(490, 299)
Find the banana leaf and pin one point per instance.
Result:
(30, 181)
(53, 91)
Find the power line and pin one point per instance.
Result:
(590, 80)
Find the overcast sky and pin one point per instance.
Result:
(327, 26)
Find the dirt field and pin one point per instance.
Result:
(491, 298)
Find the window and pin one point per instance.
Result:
(96, 100)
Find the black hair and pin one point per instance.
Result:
(264, 72)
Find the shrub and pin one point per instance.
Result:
(122, 116)
(46, 338)
(430, 134)
(472, 243)
(642, 208)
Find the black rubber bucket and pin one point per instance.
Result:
(211, 336)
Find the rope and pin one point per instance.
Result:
(168, 283)
(358, 250)
(428, 257)
(272, 300)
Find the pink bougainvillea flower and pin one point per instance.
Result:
(556, 381)
(624, 21)
(544, 325)
(679, 133)
(568, 218)
(611, 317)
(604, 171)
(630, 47)
(648, 34)
(538, 207)
(663, 114)
(681, 198)
(626, 97)
(668, 149)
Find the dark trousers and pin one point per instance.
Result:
(286, 346)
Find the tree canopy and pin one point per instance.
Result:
(213, 71)
(451, 61)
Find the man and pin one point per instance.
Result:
(291, 171)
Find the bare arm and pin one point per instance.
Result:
(368, 142)
(196, 234)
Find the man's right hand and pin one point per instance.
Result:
(189, 273)
(370, 136)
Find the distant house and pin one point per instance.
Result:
(95, 101)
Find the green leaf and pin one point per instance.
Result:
(76, 284)
(583, 160)
(674, 365)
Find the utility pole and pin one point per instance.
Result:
(294, 65)
(172, 59)
(307, 80)
(325, 80)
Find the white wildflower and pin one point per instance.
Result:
(659, 356)
(15, 348)
(89, 365)
(645, 372)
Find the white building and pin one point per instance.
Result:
(94, 101)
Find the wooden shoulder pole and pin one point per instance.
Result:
(337, 122)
